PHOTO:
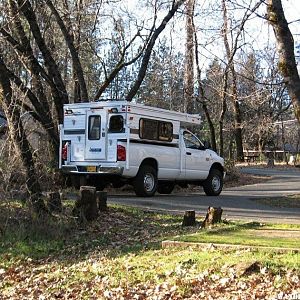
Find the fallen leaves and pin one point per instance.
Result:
(101, 261)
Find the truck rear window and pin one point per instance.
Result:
(156, 130)
(94, 127)
(116, 124)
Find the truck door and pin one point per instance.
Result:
(195, 158)
(95, 140)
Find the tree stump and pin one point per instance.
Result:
(189, 218)
(213, 216)
(54, 202)
(101, 198)
(86, 205)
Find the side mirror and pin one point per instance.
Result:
(206, 144)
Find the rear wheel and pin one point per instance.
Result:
(213, 185)
(145, 183)
(166, 187)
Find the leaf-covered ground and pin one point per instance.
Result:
(119, 256)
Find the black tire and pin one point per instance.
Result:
(166, 187)
(213, 184)
(145, 182)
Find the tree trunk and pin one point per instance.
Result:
(81, 89)
(223, 110)
(285, 45)
(189, 59)
(60, 96)
(213, 216)
(21, 143)
(189, 218)
(86, 206)
(234, 96)
(237, 118)
(201, 95)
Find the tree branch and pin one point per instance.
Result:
(74, 53)
(148, 50)
(50, 63)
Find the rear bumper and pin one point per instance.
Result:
(99, 170)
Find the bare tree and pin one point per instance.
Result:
(189, 58)
(21, 143)
(82, 93)
(148, 50)
(285, 47)
(201, 98)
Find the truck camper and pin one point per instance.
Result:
(119, 142)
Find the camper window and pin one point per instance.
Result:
(116, 124)
(148, 129)
(156, 130)
(165, 131)
(94, 127)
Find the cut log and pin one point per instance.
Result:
(189, 218)
(101, 198)
(54, 202)
(86, 205)
(213, 216)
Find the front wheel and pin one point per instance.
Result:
(145, 183)
(214, 183)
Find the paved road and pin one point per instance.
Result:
(237, 202)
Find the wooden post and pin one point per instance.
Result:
(101, 198)
(213, 216)
(189, 218)
(54, 201)
(86, 205)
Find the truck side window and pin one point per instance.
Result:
(94, 128)
(191, 141)
(116, 124)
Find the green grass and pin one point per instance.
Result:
(123, 249)
(249, 234)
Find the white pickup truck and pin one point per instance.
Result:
(121, 142)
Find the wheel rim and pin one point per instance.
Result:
(216, 183)
(149, 182)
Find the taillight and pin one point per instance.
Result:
(121, 153)
(64, 152)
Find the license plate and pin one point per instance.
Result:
(91, 169)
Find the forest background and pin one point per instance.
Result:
(216, 58)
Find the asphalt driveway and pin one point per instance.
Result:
(236, 202)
